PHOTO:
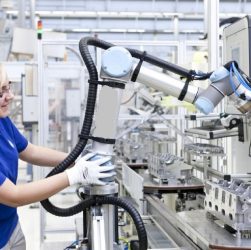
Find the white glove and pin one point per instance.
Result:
(89, 172)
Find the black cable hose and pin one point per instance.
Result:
(110, 200)
(138, 54)
(90, 106)
(92, 93)
(139, 224)
(64, 212)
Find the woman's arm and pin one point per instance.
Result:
(19, 195)
(84, 171)
(42, 156)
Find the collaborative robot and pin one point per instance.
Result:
(121, 66)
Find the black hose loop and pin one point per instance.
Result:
(83, 46)
(78, 149)
(138, 54)
(139, 224)
(65, 212)
(109, 200)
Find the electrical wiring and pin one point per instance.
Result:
(231, 80)
(240, 78)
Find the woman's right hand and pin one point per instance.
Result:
(90, 172)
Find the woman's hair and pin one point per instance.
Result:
(3, 76)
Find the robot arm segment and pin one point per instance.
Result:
(226, 81)
(216, 91)
(166, 84)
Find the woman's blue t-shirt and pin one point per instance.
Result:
(12, 142)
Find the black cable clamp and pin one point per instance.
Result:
(185, 88)
(97, 139)
(111, 84)
(137, 69)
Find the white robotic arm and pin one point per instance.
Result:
(225, 81)
(116, 71)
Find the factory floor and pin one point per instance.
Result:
(29, 215)
(30, 222)
(30, 219)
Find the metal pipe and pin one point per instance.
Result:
(211, 171)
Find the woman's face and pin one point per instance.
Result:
(6, 97)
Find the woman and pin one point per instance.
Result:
(13, 146)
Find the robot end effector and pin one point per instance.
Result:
(229, 81)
